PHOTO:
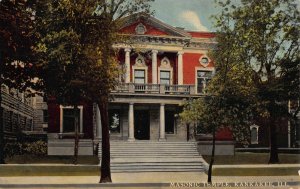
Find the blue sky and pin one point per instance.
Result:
(189, 14)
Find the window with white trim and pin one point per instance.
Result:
(67, 119)
(165, 77)
(139, 76)
(203, 78)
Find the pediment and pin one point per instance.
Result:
(144, 24)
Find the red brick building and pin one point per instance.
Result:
(163, 66)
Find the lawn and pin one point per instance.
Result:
(29, 159)
(252, 158)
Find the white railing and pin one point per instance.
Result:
(155, 89)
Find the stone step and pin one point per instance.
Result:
(157, 170)
(147, 159)
(147, 156)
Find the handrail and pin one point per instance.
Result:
(155, 89)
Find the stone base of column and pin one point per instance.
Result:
(131, 140)
(162, 140)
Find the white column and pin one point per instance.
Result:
(162, 123)
(98, 124)
(127, 65)
(180, 68)
(154, 66)
(131, 122)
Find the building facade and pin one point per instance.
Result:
(18, 113)
(163, 66)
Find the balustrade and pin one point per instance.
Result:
(155, 89)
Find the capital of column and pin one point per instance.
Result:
(131, 103)
(127, 50)
(154, 51)
(162, 104)
(180, 53)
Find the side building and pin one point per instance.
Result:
(18, 113)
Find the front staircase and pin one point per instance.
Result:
(152, 156)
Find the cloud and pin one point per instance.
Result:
(192, 18)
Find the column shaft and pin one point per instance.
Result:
(127, 65)
(162, 136)
(154, 66)
(131, 123)
(180, 68)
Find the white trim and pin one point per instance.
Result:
(212, 69)
(256, 127)
(62, 115)
(140, 66)
(166, 67)
(208, 59)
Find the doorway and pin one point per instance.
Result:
(141, 125)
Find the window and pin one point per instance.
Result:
(165, 77)
(45, 116)
(203, 77)
(254, 134)
(67, 119)
(204, 60)
(139, 76)
(114, 121)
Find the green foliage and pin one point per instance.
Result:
(17, 38)
(264, 35)
(37, 148)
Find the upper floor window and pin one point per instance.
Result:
(203, 77)
(165, 77)
(139, 76)
(204, 60)
(140, 29)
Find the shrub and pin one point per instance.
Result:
(37, 148)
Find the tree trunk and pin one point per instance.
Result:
(273, 141)
(76, 146)
(1, 129)
(212, 159)
(105, 161)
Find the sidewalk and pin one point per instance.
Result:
(145, 179)
(138, 180)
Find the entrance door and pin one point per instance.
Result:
(141, 125)
(169, 122)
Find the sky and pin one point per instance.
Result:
(189, 14)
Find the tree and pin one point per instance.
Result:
(79, 58)
(227, 102)
(267, 34)
(16, 50)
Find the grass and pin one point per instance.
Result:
(270, 171)
(244, 158)
(252, 158)
(30, 159)
(49, 170)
